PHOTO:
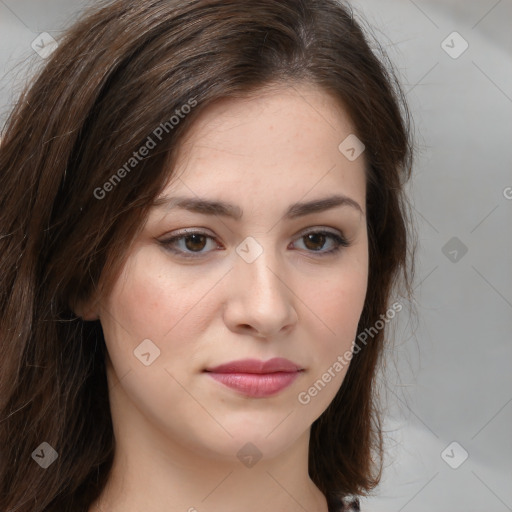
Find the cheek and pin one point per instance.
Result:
(344, 300)
(339, 299)
(148, 301)
(156, 301)
(337, 305)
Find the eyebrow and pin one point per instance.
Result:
(216, 207)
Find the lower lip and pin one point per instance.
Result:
(256, 385)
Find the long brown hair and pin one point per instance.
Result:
(123, 70)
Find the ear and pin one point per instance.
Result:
(87, 310)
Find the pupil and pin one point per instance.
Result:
(195, 237)
(312, 236)
(320, 238)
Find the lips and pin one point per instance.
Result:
(277, 364)
(254, 378)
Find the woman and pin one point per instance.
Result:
(203, 219)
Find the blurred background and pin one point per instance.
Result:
(448, 381)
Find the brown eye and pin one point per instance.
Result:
(194, 245)
(195, 242)
(315, 241)
(188, 245)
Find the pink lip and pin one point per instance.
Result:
(256, 378)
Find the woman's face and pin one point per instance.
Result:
(262, 278)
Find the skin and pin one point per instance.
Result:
(177, 430)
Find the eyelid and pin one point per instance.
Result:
(205, 231)
(336, 234)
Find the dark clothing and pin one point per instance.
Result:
(345, 505)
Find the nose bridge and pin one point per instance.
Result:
(258, 264)
(259, 296)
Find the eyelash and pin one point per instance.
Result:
(167, 243)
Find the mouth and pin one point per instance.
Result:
(255, 378)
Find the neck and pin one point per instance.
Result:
(152, 472)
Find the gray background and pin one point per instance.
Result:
(448, 375)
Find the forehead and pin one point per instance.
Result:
(293, 112)
(281, 139)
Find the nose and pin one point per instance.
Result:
(259, 301)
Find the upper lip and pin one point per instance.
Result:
(277, 364)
